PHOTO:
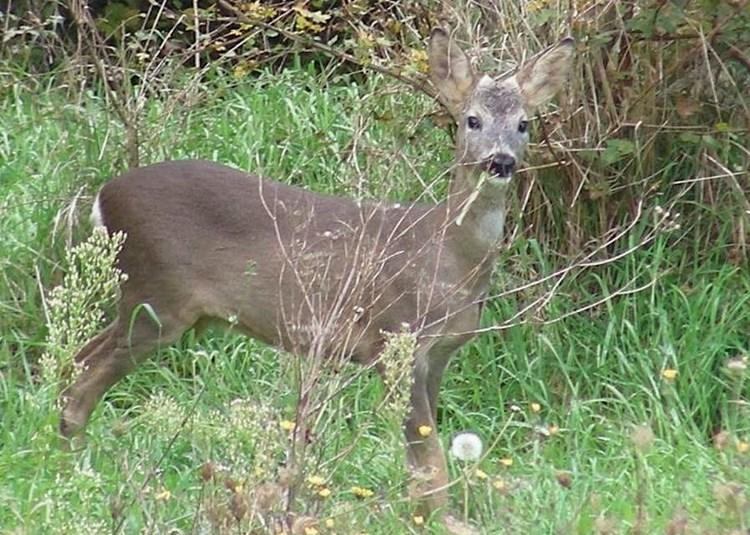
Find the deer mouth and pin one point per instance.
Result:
(500, 179)
(502, 167)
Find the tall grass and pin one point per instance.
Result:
(598, 415)
(555, 401)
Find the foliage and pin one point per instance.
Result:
(647, 73)
(553, 402)
(75, 309)
(621, 404)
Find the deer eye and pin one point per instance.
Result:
(523, 126)
(474, 123)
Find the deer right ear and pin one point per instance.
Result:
(450, 71)
(543, 76)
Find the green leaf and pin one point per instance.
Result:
(616, 150)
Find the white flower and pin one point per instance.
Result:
(466, 446)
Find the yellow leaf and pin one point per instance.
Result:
(303, 23)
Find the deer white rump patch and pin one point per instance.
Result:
(96, 214)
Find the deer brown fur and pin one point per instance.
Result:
(316, 274)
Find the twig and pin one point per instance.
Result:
(737, 54)
(306, 41)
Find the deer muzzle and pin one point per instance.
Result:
(502, 165)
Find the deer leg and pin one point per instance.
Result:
(438, 363)
(105, 360)
(424, 453)
(83, 353)
(94, 343)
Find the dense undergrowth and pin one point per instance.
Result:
(620, 406)
(588, 427)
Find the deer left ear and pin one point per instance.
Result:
(450, 71)
(543, 77)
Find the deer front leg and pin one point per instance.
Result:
(424, 454)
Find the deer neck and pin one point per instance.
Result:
(476, 215)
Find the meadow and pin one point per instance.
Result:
(620, 406)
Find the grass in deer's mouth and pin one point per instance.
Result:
(601, 422)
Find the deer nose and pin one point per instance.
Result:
(502, 165)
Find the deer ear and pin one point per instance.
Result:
(540, 79)
(450, 70)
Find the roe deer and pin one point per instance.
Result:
(317, 274)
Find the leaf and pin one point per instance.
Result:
(302, 23)
(643, 22)
(710, 142)
(690, 138)
(311, 18)
(616, 150)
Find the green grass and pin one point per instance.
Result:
(595, 375)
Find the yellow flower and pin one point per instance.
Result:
(553, 429)
(425, 430)
(163, 496)
(535, 407)
(325, 492)
(743, 447)
(499, 484)
(240, 71)
(506, 461)
(361, 492)
(287, 425)
(669, 374)
(480, 474)
(419, 520)
(316, 481)
(330, 523)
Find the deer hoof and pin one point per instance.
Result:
(455, 526)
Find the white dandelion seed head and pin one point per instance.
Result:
(466, 446)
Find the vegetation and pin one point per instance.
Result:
(611, 395)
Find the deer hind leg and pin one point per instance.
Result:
(110, 356)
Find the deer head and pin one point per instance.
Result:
(492, 115)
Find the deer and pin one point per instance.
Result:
(320, 274)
